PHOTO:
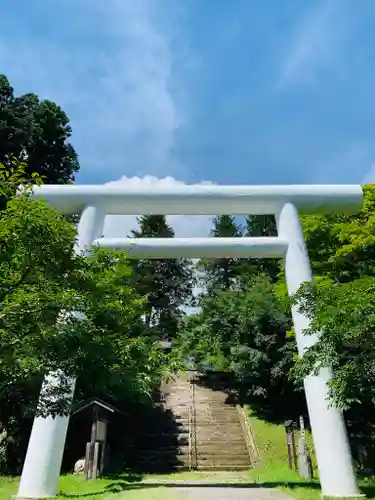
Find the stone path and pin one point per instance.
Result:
(197, 489)
(227, 493)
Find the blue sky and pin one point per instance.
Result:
(227, 91)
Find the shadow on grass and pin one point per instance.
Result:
(128, 485)
(128, 477)
(134, 482)
(116, 487)
(368, 490)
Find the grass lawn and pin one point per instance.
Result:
(273, 473)
(102, 489)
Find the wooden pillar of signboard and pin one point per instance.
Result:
(90, 467)
(96, 447)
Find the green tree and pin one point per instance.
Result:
(342, 247)
(344, 316)
(167, 283)
(61, 312)
(342, 251)
(245, 331)
(221, 273)
(260, 226)
(37, 131)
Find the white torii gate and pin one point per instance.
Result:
(42, 464)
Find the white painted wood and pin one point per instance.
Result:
(201, 199)
(214, 248)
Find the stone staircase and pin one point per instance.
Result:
(207, 433)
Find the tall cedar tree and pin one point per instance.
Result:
(37, 131)
(167, 284)
(259, 226)
(221, 273)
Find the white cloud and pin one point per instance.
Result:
(314, 44)
(183, 225)
(111, 65)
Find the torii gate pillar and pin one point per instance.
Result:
(336, 472)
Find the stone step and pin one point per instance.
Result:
(180, 433)
(180, 436)
(185, 403)
(205, 439)
(206, 394)
(211, 461)
(206, 416)
(203, 407)
(219, 455)
(217, 417)
(219, 441)
(217, 430)
(219, 427)
(208, 399)
(205, 422)
(211, 410)
(212, 445)
(222, 442)
(205, 467)
(183, 442)
(208, 411)
(204, 412)
(206, 448)
(224, 455)
(156, 459)
(222, 467)
(202, 435)
(200, 451)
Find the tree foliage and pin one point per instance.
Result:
(341, 307)
(167, 283)
(261, 226)
(221, 273)
(245, 331)
(342, 247)
(64, 313)
(60, 310)
(344, 317)
(37, 131)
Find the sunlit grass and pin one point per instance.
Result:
(272, 473)
(275, 472)
(101, 489)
